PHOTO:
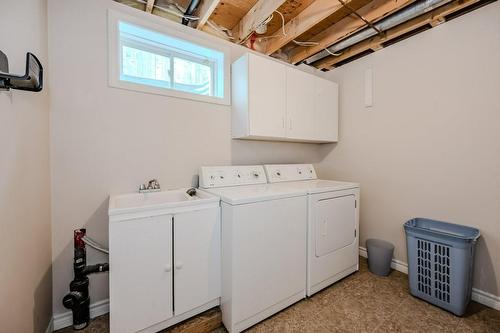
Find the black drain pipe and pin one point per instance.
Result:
(190, 10)
(78, 299)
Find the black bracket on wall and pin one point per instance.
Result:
(32, 80)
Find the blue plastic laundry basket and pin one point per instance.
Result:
(440, 262)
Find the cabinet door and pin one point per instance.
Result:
(300, 96)
(140, 273)
(197, 259)
(266, 91)
(327, 110)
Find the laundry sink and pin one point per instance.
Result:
(160, 202)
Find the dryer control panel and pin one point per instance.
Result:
(224, 176)
(289, 172)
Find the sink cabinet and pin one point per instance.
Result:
(141, 275)
(163, 269)
(197, 264)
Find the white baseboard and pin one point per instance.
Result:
(485, 298)
(65, 319)
(479, 296)
(398, 265)
(50, 326)
(100, 308)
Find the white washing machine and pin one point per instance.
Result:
(263, 243)
(333, 223)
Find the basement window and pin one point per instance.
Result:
(155, 62)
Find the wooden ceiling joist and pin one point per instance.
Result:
(319, 23)
(206, 9)
(402, 29)
(314, 13)
(150, 5)
(255, 16)
(372, 12)
(289, 9)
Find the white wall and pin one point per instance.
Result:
(107, 140)
(426, 148)
(430, 145)
(25, 236)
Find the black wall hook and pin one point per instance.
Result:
(32, 80)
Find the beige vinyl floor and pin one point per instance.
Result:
(362, 302)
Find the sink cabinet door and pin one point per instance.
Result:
(140, 273)
(197, 259)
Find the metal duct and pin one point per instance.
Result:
(416, 9)
(190, 10)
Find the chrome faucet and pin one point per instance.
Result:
(152, 186)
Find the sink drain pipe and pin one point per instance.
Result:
(78, 299)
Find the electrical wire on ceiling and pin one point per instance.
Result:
(337, 54)
(178, 11)
(355, 13)
(179, 7)
(300, 43)
(264, 24)
(172, 3)
(221, 30)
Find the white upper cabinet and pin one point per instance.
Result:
(300, 100)
(327, 110)
(259, 93)
(273, 101)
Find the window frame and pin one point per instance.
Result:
(144, 47)
(172, 30)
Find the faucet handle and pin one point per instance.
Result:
(151, 186)
(154, 184)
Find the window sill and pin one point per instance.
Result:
(114, 83)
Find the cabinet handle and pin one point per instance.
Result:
(179, 265)
(168, 268)
(283, 122)
(290, 123)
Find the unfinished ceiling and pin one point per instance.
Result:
(321, 33)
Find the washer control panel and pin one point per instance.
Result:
(223, 176)
(289, 172)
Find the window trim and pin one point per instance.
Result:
(175, 31)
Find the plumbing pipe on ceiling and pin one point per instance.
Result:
(190, 10)
(411, 11)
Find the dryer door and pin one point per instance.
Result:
(335, 224)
